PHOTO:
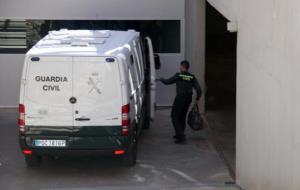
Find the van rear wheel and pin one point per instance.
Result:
(146, 123)
(130, 156)
(33, 160)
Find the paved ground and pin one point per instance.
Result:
(222, 123)
(161, 164)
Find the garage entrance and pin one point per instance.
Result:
(221, 84)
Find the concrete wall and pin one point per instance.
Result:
(268, 133)
(92, 9)
(89, 10)
(268, 120)
(195, 40)
(229, 8)
(10, 75)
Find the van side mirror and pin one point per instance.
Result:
(157, 61)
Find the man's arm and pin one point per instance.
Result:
(171, 80)
(196, 85)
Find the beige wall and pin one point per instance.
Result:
(195, 40)
(268, 93)
(10, 75)
(268, 120)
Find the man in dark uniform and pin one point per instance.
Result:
(185, 83)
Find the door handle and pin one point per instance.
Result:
(73, 100)
(83, 119)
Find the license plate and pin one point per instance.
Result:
(50, 143)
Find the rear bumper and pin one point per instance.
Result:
(76, 145)
(71, 152)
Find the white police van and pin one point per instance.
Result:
(86, 92)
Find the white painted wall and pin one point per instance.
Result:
(89, 10)
(10, 75)
(268, 93)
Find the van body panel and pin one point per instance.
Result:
(97, 88)
(74, 93)
(94, 83)
(123, 70)
(97, 131)
(23, 79)
(103, 142)
(152, 78)
(48, 88)
(49, 131)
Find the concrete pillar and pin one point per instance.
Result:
(195, 40)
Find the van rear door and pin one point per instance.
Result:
(97, 89)
(152, 77)
(48, 89)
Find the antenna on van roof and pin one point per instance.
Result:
(79, 44)
(63, 33)
(83, 40)
(59, 32)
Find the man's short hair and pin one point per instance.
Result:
(185, 64)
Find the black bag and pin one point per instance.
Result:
(195, 120)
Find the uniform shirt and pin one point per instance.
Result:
(185, 82)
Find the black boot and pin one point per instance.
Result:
(176, 137)
(180, 140)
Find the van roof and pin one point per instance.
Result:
(84, 43)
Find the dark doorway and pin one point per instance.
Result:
(221, 82)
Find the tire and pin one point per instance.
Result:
(33, 161)
(147, 118)
(130, 157)
(146, 123)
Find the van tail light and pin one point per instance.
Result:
(119, 152)
(21, 118)
(27, 152)
(125, 120)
